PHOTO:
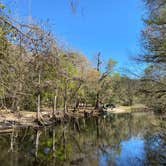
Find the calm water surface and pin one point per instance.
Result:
(122, 140)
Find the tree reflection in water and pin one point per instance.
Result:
(129, 139)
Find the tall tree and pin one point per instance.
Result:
(154, 43)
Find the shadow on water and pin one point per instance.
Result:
(128, 139)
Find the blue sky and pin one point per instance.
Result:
(110, 26)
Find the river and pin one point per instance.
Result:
(123, 140)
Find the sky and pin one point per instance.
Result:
(110, 26)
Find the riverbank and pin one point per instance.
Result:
(9, 119)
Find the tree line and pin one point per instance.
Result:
(154, 55)
(34, 68)
(36, 73)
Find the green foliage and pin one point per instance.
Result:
(33, 66)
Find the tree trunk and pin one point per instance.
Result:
(65, 98)
(98, 69)
(97, 101)
(38, 107)
(54, 104)
(38, 99)
(65, 105)
(76, 105)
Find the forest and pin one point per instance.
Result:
(57, 107)
(37, 74)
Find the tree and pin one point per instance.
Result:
(125, 90)
(154, 43)
(101, 82)
(36, 74)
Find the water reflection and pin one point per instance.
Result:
(137, 139)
